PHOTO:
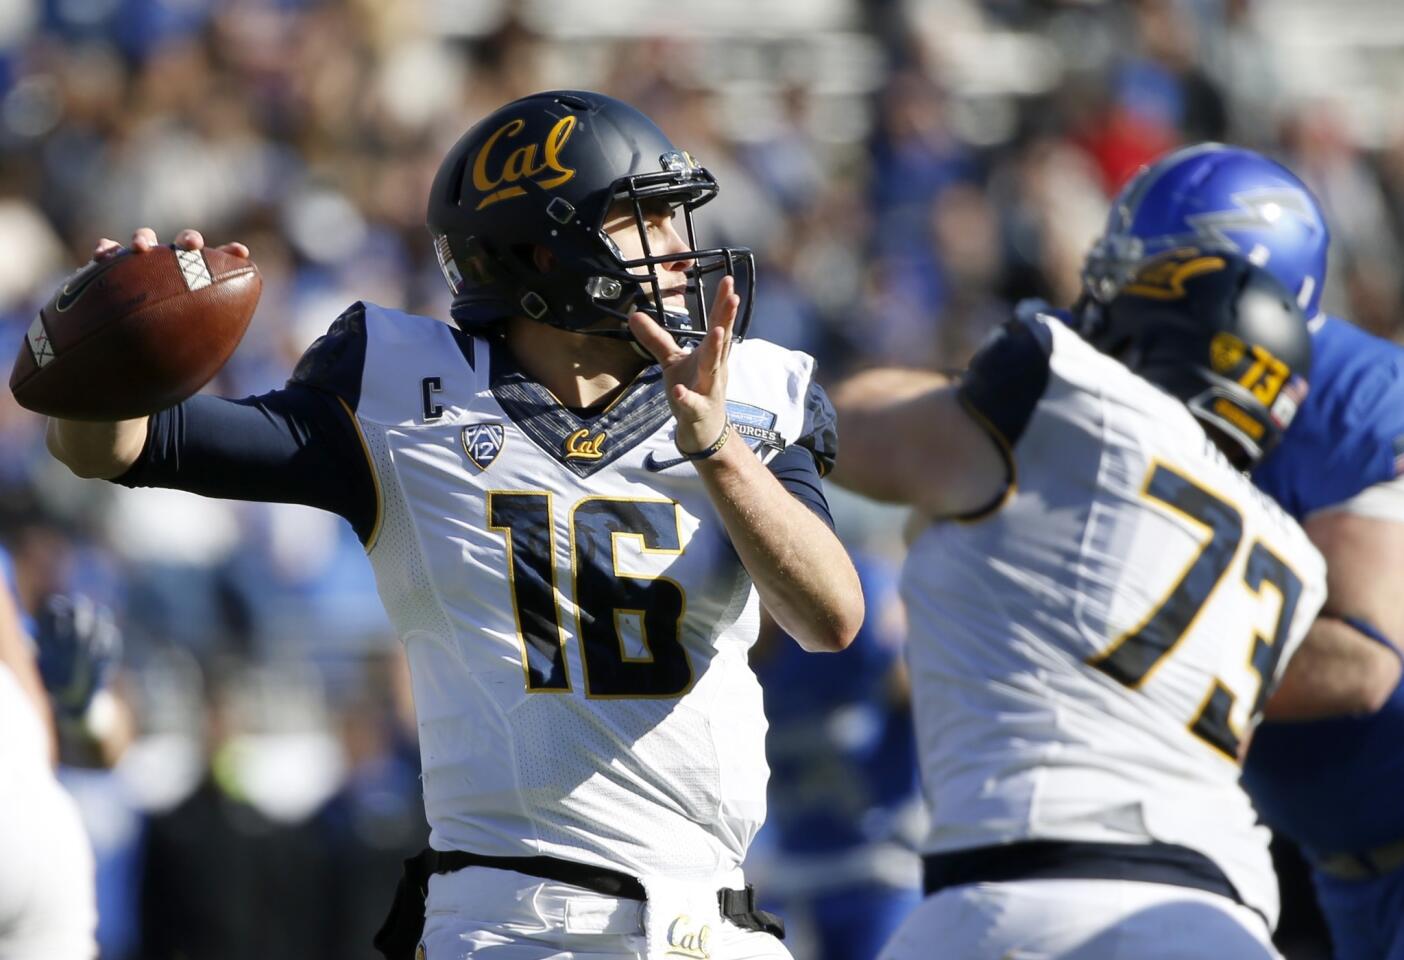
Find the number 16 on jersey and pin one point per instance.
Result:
(606, 598)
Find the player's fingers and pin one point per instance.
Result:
(189, 239)
(693, 404)
(234, 249)
(729, 328)
(723, 335)
(709, 358)
(105, 248)
(725, 288)
(690, 401)
(724, 312)
(654, 338)
(144, 239)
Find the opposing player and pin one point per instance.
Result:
(575, 502)
(1097, 611)
(1333, 786)
(48, 905)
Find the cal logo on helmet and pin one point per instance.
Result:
(1165, 278)
(503, 162)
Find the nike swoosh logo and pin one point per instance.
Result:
(76, 287)
(654, 465)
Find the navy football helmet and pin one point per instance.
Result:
(1222, 335)
(1212, 195)
(544, 171)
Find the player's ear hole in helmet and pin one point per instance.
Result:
(1222, 335)
(519, 212)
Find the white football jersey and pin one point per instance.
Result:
(1087, 657)
(576, 619)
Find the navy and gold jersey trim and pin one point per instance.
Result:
(374, 534)
(1011, 468)
(820, 431)
(1001, 389)
(466, 346)
(582, 443)
(1008, 377)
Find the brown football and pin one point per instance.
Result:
(135, 333)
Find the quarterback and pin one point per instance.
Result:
(575, 499)
(1098, 609)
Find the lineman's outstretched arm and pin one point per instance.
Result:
(908, 438)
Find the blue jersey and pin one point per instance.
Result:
(1334, 785)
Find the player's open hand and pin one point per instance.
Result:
(145, 239)
(695, 378)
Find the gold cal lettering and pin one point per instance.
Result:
(683, 941)
(521, 164)
(581, 446)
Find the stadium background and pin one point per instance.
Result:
(905, 169)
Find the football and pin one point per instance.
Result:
(135, 333)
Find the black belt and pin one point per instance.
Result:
(1073, 860)
(400, 933)
(611, 883)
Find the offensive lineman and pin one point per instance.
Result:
(1097, 612)
(567, 504)
(1332, 785)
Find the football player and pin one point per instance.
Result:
(48, 899)
(1332, 786)
(1097, 609)
(575, 500)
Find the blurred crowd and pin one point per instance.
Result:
(906, 170)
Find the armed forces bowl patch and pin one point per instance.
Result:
(755, 425)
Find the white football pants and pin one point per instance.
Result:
(1080, 920)
(505, 915)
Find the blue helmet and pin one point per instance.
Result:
(1213, 196)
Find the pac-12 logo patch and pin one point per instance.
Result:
(483, 442)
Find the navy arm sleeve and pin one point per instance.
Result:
(295, 445)
(1001, 388)
(800, 465)
(1007, 378)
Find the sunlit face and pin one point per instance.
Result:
(663, 240)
